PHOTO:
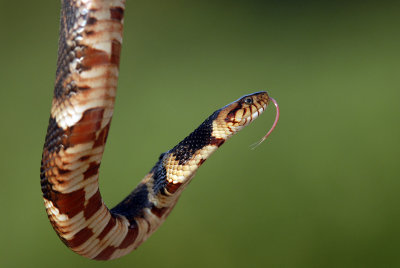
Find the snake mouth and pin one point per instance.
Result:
(253, 112)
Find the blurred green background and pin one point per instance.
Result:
(322, 191)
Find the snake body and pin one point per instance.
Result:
(82, 108)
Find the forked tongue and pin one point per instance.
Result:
(272, 128)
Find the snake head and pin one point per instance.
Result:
(238, 114)
(244, 110)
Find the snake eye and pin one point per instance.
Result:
(248, 100)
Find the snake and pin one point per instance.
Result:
(82, 107)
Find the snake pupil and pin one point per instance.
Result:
(248, 100)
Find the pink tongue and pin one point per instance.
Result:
(273, 126)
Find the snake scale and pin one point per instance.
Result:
(82, 108)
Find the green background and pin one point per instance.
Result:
(322, 191)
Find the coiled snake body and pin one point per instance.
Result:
(85, 89)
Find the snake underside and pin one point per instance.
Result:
(85, 89)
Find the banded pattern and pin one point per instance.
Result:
(82, 108)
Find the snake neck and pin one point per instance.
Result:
(161, 188)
